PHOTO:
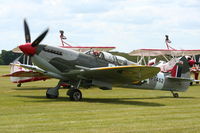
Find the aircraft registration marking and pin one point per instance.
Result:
(159, 79)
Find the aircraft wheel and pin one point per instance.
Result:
(176, 95)
(51, 96)
(74, 94)
(19, 85)
(191, 83)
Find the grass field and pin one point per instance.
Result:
(25, 110)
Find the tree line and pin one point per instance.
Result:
(6, 57)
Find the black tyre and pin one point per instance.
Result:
(74, 95)
(19, 85)
(176, 95)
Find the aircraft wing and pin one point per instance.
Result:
(33, 71)
(86, 48)
(16, 50)
(158, 52)
(25, 74)
(118, 74)
(77, 48)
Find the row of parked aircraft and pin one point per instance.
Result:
(93, 66)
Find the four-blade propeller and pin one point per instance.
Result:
(30, 48)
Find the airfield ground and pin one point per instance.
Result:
(120, 110)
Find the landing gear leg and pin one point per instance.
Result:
(175, 95)
(53, 92)
(74, 93)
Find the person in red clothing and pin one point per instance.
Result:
(191, 63)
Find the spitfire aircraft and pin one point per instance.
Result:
(100, 69)
(91, 68)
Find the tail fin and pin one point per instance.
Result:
(181, 69)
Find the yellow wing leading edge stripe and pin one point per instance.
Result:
(117, 67)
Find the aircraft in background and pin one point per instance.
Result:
(77, 69)
(176, 79)
(16, 70)
(169, 54)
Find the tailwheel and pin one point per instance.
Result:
(175, 95)
(74, 94)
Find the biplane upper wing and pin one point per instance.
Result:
(158, 52)
(77, 48)
(16, 50)
(86, 48)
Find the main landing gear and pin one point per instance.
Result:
(74, 93)
(175, 95)
(53, 92)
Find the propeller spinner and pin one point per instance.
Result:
(30, 48)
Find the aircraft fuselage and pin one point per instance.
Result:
(61, 60)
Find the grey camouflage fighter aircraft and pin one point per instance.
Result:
(77, 69)
(91, 68)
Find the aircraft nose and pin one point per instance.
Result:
(27, 49)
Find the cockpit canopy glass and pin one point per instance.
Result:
(117, 60)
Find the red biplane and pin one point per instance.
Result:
(168, 54)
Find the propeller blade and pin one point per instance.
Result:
(39, 38)
(27, 32)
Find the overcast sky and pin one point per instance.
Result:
(126, 24)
